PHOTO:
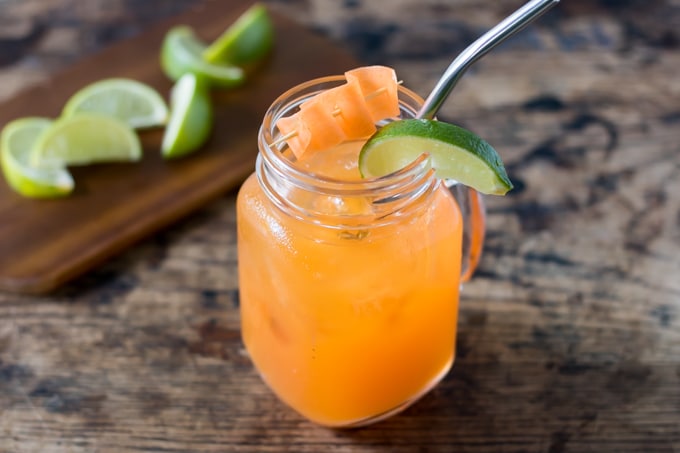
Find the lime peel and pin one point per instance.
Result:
(455, 153)
(247, 40)
(190, 119)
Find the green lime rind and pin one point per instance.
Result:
(16, 142)
(134, 102)
(191, 118)
(86, 138)
(182, 53)
(455, 153)
(248, 40)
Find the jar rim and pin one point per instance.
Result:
(409, 101)
(391, 196)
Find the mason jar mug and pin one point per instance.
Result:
(349, 287)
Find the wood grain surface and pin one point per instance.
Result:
(569, 334)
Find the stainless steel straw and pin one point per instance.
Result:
(508, 27)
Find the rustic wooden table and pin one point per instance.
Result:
(569, 333)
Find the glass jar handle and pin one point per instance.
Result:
(473, 211)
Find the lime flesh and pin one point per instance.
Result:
(86, 138)
(128, 100)
(182, 53)
(16, 142)
(455, 153)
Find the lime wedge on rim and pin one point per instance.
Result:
(129, 100)
(16, 141)
(86, 138)
(247, 40)
(455, 153)
(190, 119)
(182, 53)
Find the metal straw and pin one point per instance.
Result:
(508, 27)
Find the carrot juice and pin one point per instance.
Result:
(348, 288)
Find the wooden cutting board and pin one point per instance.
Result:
(44, 243)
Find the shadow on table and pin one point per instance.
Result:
(540, 404)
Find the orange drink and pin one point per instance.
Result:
(349, 286)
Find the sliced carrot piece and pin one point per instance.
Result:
(348, 111)
(347, 106)
(325, 131)
(379, 87)
(298, 135)
(311, 129)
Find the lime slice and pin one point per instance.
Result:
(16, 141)
(182, 53)
(455, 153)
(247, 40)
(86, 138)
(191, 117)
(129, 100)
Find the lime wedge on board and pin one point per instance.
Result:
(247, 40)
(190, 119)
(86, 138)
(16, 142)
(182, 52)
(129, 100)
